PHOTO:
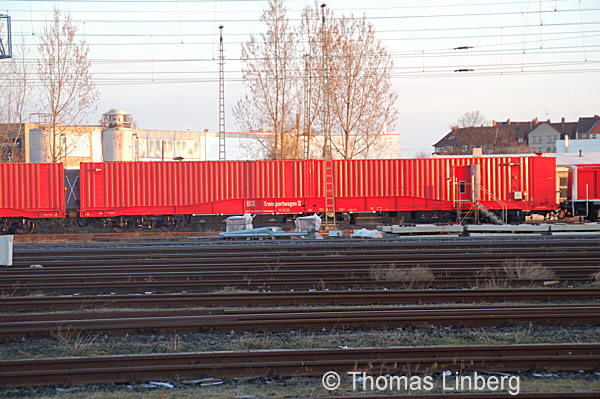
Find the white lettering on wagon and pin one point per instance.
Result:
(277, 204)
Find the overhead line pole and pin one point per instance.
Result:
(6, 48)
(221, 97)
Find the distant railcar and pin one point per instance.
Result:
(583, 191)
(30, 191)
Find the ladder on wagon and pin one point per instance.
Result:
(329, 194)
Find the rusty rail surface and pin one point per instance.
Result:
(18, 326)
(296, 298)
(285, 363)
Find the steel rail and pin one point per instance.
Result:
(356, 260)
(254, 284)
(39, 303)
(473, 241)
(77, 250)
(369, 257)
(202, 273)
(285, 363)
(17, 327)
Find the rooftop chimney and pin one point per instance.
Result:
(535, 120)
(508, 121)
(493, 123)
(562, 120)
(454, 127)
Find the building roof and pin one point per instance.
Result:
(567, 159)
(458, 135)
(516, 130)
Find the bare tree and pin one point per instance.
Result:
(68, 91)
(330, 75)
(362, 98)
(270, 75)
(422, 154)
(15, 99)
(472, 119)
(312, 34)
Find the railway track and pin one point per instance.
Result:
(276, 266)
(14, 327)
(16, 281)
(375, 297)
(442, 253)
(318, 282)
(286, 363)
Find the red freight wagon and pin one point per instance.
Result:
(30, 191)
(425, 186)
(583, 192)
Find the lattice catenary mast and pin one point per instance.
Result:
(5, 45)
(221, 97)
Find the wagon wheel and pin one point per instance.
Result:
(562, 214)
(120, 226)
(168, 224)
(26, 226)
(4, 226)
(82, 222)
(61, 223)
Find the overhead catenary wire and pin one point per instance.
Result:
(253, 20)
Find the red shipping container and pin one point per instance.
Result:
(235, 187)
(32, 190)
(584, 183)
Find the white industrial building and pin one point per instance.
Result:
(577, 146)
(117, 139)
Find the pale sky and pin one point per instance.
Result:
(158, 59)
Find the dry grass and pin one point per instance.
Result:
(414, 276)
(232, 290)
(596, 279)
(519, 269)
(74, 342)
(491, 278)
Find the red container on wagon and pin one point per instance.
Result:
(32, 190)
(584, 183)
(234, 187)
(510, 182)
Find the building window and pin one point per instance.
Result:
(520, 140)
(462, 187)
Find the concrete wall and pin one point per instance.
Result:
(79, 143)
(95, 144)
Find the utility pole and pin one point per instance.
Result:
(307, 105)
(221, 97)
(325, 72)
(329, 165)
